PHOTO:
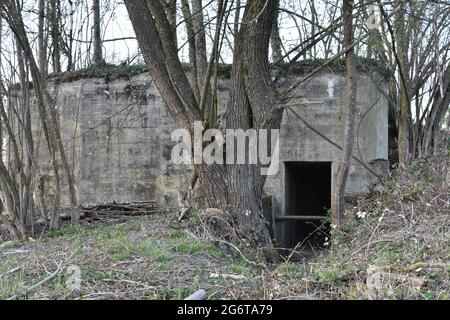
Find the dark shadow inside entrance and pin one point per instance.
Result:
(307, 192)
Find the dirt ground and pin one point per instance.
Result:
(395, 244)
(148, 257)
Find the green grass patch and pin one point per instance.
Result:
(173, 294)
(69, 231)
(11, 285)
(327, 275)
(177, 242)
(290, 270)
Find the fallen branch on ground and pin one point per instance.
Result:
(40, 283)
(10, 272)
(97, 212)
(198, 295)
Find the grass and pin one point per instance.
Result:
(114, 242)
(107, 71)
(119, 256)
(405, 232)
(11, 286)
(173, 294)
(68, 231)
(177, 243)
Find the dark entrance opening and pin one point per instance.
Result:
(307, 194)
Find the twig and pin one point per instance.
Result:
(320, 68)
(10, 272)
(40, 283)
(242, 255)
(231, 245)
(131, 282)
(18, 251)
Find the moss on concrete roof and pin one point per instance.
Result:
(362, 64)
(111, 72)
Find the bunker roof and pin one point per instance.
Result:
(124, 71)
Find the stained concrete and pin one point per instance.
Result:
(298, 143)
(117, 136)
(326, 115)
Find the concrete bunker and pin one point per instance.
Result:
(128, 157)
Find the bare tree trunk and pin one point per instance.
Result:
(200, 41)
(192, 48)
(438, 125)
(277, 52)
(1, 126)
(403, 128)
(255, 95)
(13, 217)
(75, 211)
(54, 216)
(438, 110)
(171, 12)
(237, 17)
(404, 133)
(55, 34)
(235, 188)
(70, 62)
(45, 104)
(313, 50)
(98, 55)
(10, 204)
(27, 146)
(41, 198)
(41, 42)
(350, 101)
(206, 98)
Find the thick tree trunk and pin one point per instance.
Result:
(350, 105)
(252, 105)
(237, 189)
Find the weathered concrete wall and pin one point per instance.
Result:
(326, 115)
(117, 135)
